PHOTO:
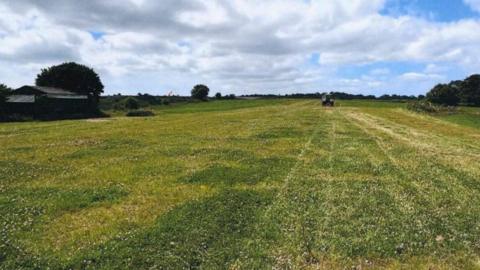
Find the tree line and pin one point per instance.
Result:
(84, 80)
(466, 92)
(338, 95)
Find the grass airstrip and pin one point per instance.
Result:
(245, 184)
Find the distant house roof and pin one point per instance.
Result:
(21, 94)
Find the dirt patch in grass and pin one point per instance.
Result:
(98, 120)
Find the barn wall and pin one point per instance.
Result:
(45, 106)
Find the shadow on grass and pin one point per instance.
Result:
(25, 210)
(200, 234)
(280, 133)
(251, 172)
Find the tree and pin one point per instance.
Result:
(131, 103)
(456, 84)
(470, 90)
(4, 92)
(73, 77)
(218, 95)
(200, 91)
(444, 94)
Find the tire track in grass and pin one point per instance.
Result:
(300, 161)
(268, 230)
(317, 208)
(462, 159)
(445, 128)
(435, 136)
(436, 214)
(325, 219)
(400, 184)
(379, 141)
(338, 210)
(329, 193)
(347, 202)
(438, 205)
(297, 227)
(388, 148)
(405, 202)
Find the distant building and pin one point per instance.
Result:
(37, 100)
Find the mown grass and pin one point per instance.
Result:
(255, 184)
(467, 117)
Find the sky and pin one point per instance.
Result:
(245, 47)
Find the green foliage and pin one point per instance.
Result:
(218, 95)
(131, 104)
(445, 94)
(220, 106)
(140, 113)
(231, 96)
(466, 92)
(73, 77)
(200, 91)
(424, 106)
(470, 90)
(117, 102)
(4, 92)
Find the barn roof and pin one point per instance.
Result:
(27, 89)
(21, 99)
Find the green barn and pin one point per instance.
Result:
(37, 101)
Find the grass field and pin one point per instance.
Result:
(256, 184)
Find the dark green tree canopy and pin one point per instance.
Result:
(218, 95)
(4, 92)
(444, 94)
(200, 91)
(470, 90)
(467, 92)
(131, 103)
(73, 77)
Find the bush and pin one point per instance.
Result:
(466, 92)
(4, 92)
(444, 94)
(470, 90)
(200, 91)
(140, 114)
(131, 104)
(429, 107)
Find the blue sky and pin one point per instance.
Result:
(245, 46)
(436, 10)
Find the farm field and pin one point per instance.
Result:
(244, 184)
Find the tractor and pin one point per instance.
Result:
(328, 100)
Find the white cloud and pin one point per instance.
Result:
(474, 4)
(415, 76)
(238, 44)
